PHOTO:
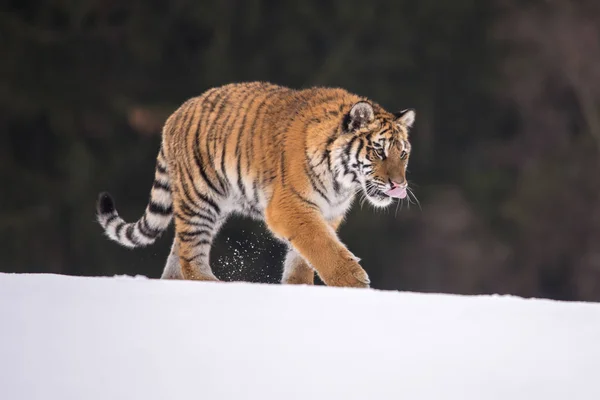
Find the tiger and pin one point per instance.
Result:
(293, 158)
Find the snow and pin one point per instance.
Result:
(136, 338)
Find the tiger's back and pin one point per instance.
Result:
(231, 140)
(261, 150)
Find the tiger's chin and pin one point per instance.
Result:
(379, 199)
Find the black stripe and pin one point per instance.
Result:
(194, 257)
(205, 120)
(209, 202)
(188, 122)
(346, 159)
(304, 199)
(118, 230)
(255, 194)
(187, 204)
(195, 232)
(146, 230)
(308, 168)
(161, 169)
(336, 185)
(327, 153)
(352, 173)
(129, 235)
(258, 116)
(187, 116)
(200, 195)
(157, 208)
(206, 217)
(247, 93)
(308, 165)
(361, 144)
(220, 102)
(200, 163)
(160, 161)
(240, 184)
(160, 185)
(314, 185)
(199, 224)
(324, 157)
(110, 219)
(188, 212)
(347, 170)
(189, 236)
(282, 167)
(222, 134)
(216, 131)
(212, 131)
(186, 196)
(188, 125)
(252, 209)
(321, 180)
(208, 105)
(197, 242)
(179, 216)
(238, 152)
(196, 146)
(348, 147)
(384, 131)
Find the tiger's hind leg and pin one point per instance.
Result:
(195, 230)
(173, 267)
(296, 270)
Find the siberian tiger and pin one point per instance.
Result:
(293, 158)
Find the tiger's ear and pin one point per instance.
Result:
(360, 115)
(406, 117)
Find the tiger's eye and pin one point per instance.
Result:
(403, 155)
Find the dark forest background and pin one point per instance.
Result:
(506, 143)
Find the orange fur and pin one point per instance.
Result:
(294, 158)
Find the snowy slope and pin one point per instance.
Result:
(123, 338)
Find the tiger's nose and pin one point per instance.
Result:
(397, 183)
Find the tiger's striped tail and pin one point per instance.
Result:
(152, 224)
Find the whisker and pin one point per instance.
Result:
(411, 193)
(362, 201)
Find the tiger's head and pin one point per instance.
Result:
(378, 151)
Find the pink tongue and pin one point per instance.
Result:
(397, 192)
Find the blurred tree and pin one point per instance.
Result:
(553, 80)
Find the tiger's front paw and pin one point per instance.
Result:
(348, 275)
